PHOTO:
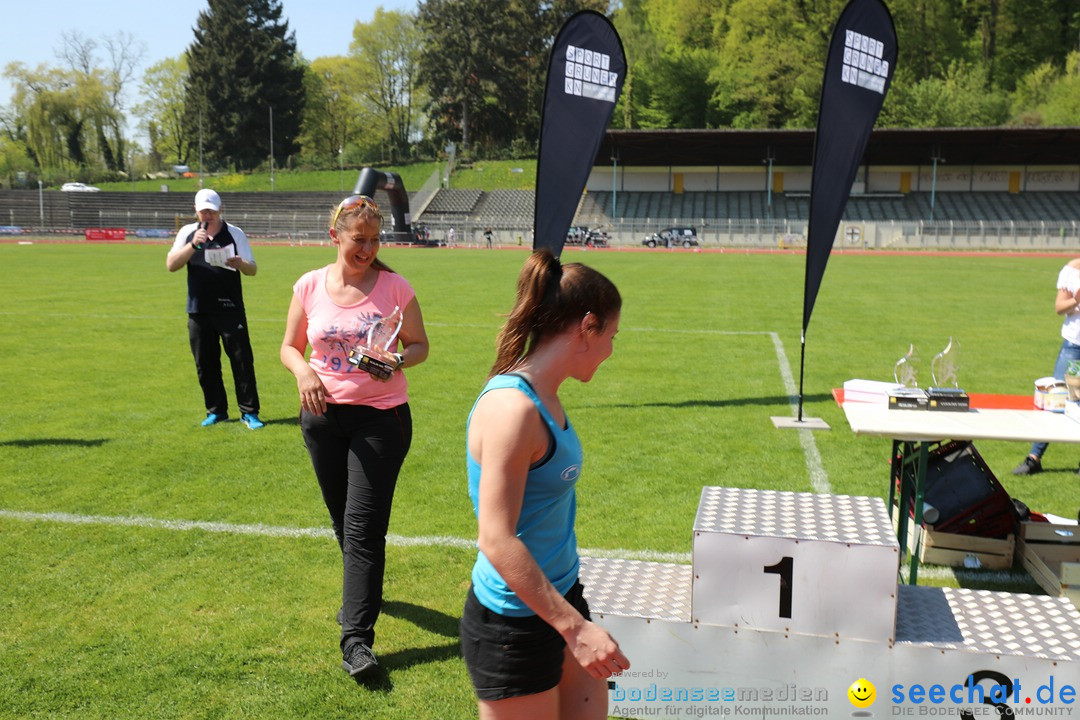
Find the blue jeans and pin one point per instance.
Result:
(1068, 353)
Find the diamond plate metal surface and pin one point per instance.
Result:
(803, 516)
(988, 622)
(634, 588)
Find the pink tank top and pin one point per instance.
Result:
(333, 330)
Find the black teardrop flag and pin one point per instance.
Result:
(585, 77)
(858, 70)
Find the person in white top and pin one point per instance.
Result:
(1067, 304)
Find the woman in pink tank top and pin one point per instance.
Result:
(354, 409)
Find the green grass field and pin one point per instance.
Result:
(154, 568)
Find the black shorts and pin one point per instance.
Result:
(513, 656)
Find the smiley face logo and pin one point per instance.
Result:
(862, 693)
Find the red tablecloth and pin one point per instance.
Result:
(984, 401)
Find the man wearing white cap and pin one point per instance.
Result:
(216, 254)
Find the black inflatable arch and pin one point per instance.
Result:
(371, 180)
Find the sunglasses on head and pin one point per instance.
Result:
(353, 201)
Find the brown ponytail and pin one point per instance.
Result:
(550, 298)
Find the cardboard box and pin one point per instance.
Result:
(1051, 554)
(907, 399)
(970, 551)
(1051, 394)
(949, 399)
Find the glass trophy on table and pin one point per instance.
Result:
(381, 336)
(906, 369)
(943, 368)
(908, 396)
(946, 393)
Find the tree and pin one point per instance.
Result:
(335, 116)
(1062, 104)
(124, 55)
(243, 70)
(61, 111)
(484, 65)
(163, 112)
(13, 159)
(770, 61)
(959, 99)
(387, 54)
(452, 61)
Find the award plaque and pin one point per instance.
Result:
(381, 337)
(906, 371)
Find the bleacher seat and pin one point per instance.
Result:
(286, 213)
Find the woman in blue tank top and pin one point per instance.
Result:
(528, 642)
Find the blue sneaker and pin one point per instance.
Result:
(214, 419)
(252, 421)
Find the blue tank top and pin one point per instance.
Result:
(548, 509)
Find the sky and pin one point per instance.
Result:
(322, 27)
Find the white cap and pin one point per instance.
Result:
(207, 199)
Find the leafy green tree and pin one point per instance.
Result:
(387, 55)
(959, 99)
(243, 71)
(484, 65)
(930, 36)
(770, 61)
(336, 120)
(61, 111)
(163, 113)
(454, 62)
(107, 119)
(1062, 104)
(1012, 37)
(13, 159)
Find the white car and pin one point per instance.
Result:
(78, 187)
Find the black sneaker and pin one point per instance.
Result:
(358, 660)
(1030, 466)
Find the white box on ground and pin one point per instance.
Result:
(823, 565)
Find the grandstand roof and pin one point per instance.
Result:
(889, 146)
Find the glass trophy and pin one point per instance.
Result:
(943, 368)
(906, 371)
(381, 336)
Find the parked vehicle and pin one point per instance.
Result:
(672, 237)
(582, 235)
(78, 187)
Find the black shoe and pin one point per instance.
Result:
(1030, 466)
(358, 660)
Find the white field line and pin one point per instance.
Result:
(819, 479)
(260, 530)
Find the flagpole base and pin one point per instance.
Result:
(807, 423)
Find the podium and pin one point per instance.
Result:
(792, 598)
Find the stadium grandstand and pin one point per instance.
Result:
(1006, 188)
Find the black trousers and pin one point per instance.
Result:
(205, 331)
(357, 452)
